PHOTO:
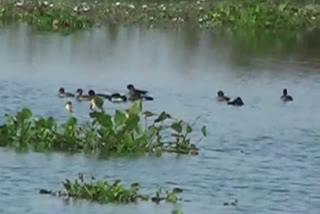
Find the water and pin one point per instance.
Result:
(265, 154)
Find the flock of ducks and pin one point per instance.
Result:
(238, 101)
(96, 99)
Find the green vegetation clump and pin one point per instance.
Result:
(248, 14)
(131, 131)
(45, 16)
(260, 14)
(111, 192)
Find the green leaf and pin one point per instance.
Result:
(132, 122)
(51, 122)
(116, 182)
(177, 126)
(10, 120)
(71, 122)
(102, 118)
(24, 114)
(188, 129)
(172, 198)
(120, 118)
(136, 108)
(204, 131)
(178, 211)
(282, 6)
(127, 141)
(163, 116)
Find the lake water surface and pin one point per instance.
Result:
(266, 154)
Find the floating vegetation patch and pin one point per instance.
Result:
(177, 211)
(250, 14)
(131, 131)
(111, 192)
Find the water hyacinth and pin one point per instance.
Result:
(111, 192)
(125, 132)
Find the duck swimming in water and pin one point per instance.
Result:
(68, 106)
(137, 94)
(63, 94)
(93, 93)
(80, 97)
(285, 97)
(114, 98)
(221, 97)
(131, 88)
(236, 102)
(117, 98)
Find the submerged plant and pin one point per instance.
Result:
(109, 192)
(123, 132)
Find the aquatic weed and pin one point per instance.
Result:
(123, 132)
(110, 192)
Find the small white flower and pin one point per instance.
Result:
(131, 6)
(151, 18)
(201, 8)
(86, 8)
(198, 2)
(75, 9)
(200, 20)
(313, 18)
(117, 3)
(51, 5)
(162, 7)
(19, 4)
(174, 19)
(144, 6)
(45, 3)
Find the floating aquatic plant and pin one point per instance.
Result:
(177, 211)
(131, 131)
(110, 192)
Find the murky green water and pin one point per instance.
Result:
(265, 154)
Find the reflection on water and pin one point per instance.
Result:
(265, 153)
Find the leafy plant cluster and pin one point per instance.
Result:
(249, 14)
(130, 131)
(45, 16)
(260, 14)
(111, 192)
